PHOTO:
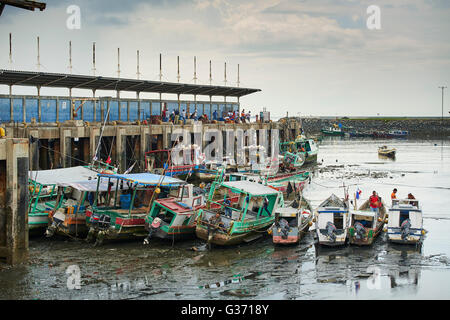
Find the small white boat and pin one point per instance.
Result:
(365, 224)
(292, 223)
(405, 222)
(332, 222)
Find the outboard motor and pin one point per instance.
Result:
(330, 231)
(360, 231)
(284, 228)
(405, 229)
(58, 218)
(153, 228)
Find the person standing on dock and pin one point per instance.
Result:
(227, 204)
(266, 206)
(394, 194)
(374, 202)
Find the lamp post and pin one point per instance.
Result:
(442, 117)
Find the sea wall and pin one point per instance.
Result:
(418, 128)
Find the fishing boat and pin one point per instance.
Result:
(398, 133)
(174, 217)
(250, 211)
(303, 146)
(287, 183)
(332, 222)
(162, 161)
(68, 216)
(293, 161)
(208, 170)
(292, 222)
(365, 224)
(333, 131)
(386, 152)
(43, 192)
(121, 214)
(405, 222)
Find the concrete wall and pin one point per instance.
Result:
(13, 200)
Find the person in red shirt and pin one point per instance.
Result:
(374, 202)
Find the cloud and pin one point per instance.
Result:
(317, 54)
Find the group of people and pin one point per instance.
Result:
(375, 200)
(175, 116)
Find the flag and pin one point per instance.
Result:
(130, 168)
(358, 193)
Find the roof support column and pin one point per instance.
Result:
(39, 102)
(11, 107)
(210, 108)
(94, 105)
(71, 106)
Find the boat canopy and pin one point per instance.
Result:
(91, 185)
(146, 179)
(63, 175)
(370, 214)
(253, 188)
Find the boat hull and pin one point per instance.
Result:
(294, 237)
(223, 239)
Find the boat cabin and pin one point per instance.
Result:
(405, 214)
(43, 191)
(332, 221)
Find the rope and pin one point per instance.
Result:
(103, 128)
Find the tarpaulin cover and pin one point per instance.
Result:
(148, 179)
(63, 175)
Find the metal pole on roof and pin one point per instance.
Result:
(10, 48)
(210, 73)
(70, 57)
(225, 79)
(118, 62)
(195, 80)
(137, 70)
(238, 82)
(160, 78)
(93, 57)
(195, 70)
(178, 69)
(160, 67)
(38, 56)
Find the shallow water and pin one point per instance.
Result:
(260, 270)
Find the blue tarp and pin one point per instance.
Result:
(147, 179)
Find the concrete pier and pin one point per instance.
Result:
(74, 142)
(13, 200)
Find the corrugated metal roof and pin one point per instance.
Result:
(59, 80)
(254, 188)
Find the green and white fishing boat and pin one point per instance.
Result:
(236, 212)
(120, 215)
(68, 217)
(333, 131)
(173, 218)
(307, 148)
(43, 192)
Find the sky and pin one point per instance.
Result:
(309, 57)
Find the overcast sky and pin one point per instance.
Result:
(313, 57)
